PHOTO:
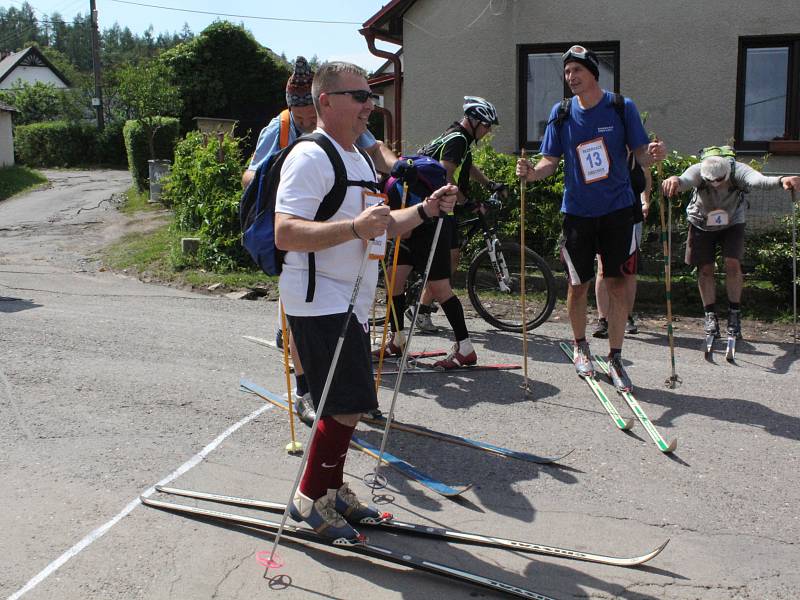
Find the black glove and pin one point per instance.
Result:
(405, 171)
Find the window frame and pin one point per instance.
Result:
(523, 50)
(792, 119)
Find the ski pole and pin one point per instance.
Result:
(293, 447)
(666, 241)
(389, 289)
(522, 188)
(794, 271)
(374, 479)
(322, 400)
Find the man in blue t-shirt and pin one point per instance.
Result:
(598, 199)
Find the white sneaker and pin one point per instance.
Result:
(425, 323)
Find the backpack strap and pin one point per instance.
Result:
(618, 100)
(333, 200)
(285, 127)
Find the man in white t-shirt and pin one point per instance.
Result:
(316, 310)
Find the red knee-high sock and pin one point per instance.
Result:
(326, 456)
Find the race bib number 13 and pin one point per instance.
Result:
(593, 157)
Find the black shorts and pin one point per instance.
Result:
(455, 235)
(353, 388)
(611, 236)
(701, 245)
(415, 250)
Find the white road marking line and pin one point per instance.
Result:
(100, 531)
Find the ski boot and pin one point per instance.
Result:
(734, 333)
(711, 328)
(304, 407)
(456, 360)
(321, 516)
(618, 375)
(354, 511)
(582, 359)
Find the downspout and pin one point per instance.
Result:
(387, 123)
(369, 35)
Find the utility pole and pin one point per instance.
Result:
(97, 101)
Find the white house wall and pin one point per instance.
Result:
(6, 140)
(678, 59)
(31, 75)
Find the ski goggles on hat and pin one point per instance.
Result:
(360, 96)
(580, 53)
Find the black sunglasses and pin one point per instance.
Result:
(717, 180)
(360, 96)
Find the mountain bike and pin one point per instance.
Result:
(494, 276)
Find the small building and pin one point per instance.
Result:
(6, 135)
(29, 66)
(705, 73)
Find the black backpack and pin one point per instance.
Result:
(257, 206)
(635, 171)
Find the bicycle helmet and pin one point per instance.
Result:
(481, 110)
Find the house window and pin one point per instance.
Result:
(767, 96)
(541, 83)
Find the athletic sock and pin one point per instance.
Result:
(614, 352)
(465, 347)
(579, 340)
(399, 304)
(710, 308)
(326, 456)
(735, 306)
(302, 384)
(455, 316)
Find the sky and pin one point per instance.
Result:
(327, 41)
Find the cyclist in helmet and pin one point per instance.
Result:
(454, 150)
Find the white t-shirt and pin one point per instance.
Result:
(306, 176)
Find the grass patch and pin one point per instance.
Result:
(15, 179)
(138, 201)
(156, 255)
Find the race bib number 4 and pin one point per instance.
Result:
(717, 218)
(593, 158)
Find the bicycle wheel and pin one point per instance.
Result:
(503, 307)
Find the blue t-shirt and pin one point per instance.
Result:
(269, 140)
(593, 143)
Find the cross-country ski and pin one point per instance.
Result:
(449, 535)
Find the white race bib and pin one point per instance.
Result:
(378, 245)
(593, 157)
(717, 218)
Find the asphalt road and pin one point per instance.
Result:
(109, 386)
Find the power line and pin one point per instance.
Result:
(219, 14)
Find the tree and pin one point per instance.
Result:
(41, 102)
(148, 92)
(224, 72)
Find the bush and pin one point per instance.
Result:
(770, 253)
(542, 201)
(138, 151)
(56, 144)
(204, 193)
(111, 145)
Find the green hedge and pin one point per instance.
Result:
(69, 144)
(56, 144)
(137, 147)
